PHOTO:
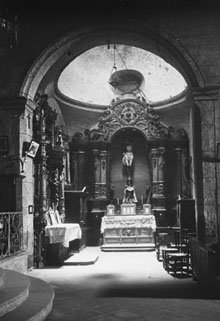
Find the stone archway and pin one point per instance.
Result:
(57, 56)
(53, 60)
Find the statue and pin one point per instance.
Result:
(129, 193)
(111, 193)
(127, 159)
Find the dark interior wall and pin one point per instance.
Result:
(196, 29)
(7, 192)
(176, 115)
(171, 177)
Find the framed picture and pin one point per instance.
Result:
(32, 151)
(4, 144)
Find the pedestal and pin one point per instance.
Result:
(128, 209)
(110, 210)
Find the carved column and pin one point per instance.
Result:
(61, 194)
(97, 173)
(100, 173)
(157, 157)
(206, 174)
(179, 152)
(39, 220)
(158, 198)
(103, 173)
(43, 167)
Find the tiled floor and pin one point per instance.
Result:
(125, 286)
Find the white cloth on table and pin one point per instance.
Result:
(128, 221)
(63, 233)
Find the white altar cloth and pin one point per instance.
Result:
(123, 221)
(63, 233)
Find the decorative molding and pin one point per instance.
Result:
(100, 190)
(205, 93)
(130, 113)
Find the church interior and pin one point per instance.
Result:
(109, 139)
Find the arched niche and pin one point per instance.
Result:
(141, 168)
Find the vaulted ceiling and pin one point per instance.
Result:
(86, 78)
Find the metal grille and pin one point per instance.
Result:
(11, 233)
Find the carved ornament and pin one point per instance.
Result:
(130, 113)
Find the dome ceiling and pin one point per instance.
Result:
(86, 78)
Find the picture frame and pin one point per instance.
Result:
(32, 151)
(4, 145)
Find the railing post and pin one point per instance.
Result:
(9, 233)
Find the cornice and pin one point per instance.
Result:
(205, 93)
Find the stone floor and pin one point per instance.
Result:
(126, 286)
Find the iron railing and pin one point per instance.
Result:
(11, 233)
(203, 264)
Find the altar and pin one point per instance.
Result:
(128, 232)
(139, 165)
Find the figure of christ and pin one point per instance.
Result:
(127, 159)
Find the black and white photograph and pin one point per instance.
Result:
(110, 160)
(32, 151)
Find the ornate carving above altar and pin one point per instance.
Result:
(133, 113)
(159, 171)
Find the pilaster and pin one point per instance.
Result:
(158, 197)
(206, 135)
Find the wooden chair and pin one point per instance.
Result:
(165, 238)
(179, 261)
(165, 253)
(162, 242)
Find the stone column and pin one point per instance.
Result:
(206, 135)
(79, 169)
(182, 168)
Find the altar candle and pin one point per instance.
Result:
(142, 200)
(118, 201)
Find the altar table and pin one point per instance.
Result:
(128, 229)
(63, 233)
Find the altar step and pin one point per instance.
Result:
(88, 255)
(128, 247)
(24, 298)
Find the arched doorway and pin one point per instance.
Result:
(47, 69)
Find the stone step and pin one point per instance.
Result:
(2, 276)
(38, 304)
(14, 291)
(81, 259)
(128, 247)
